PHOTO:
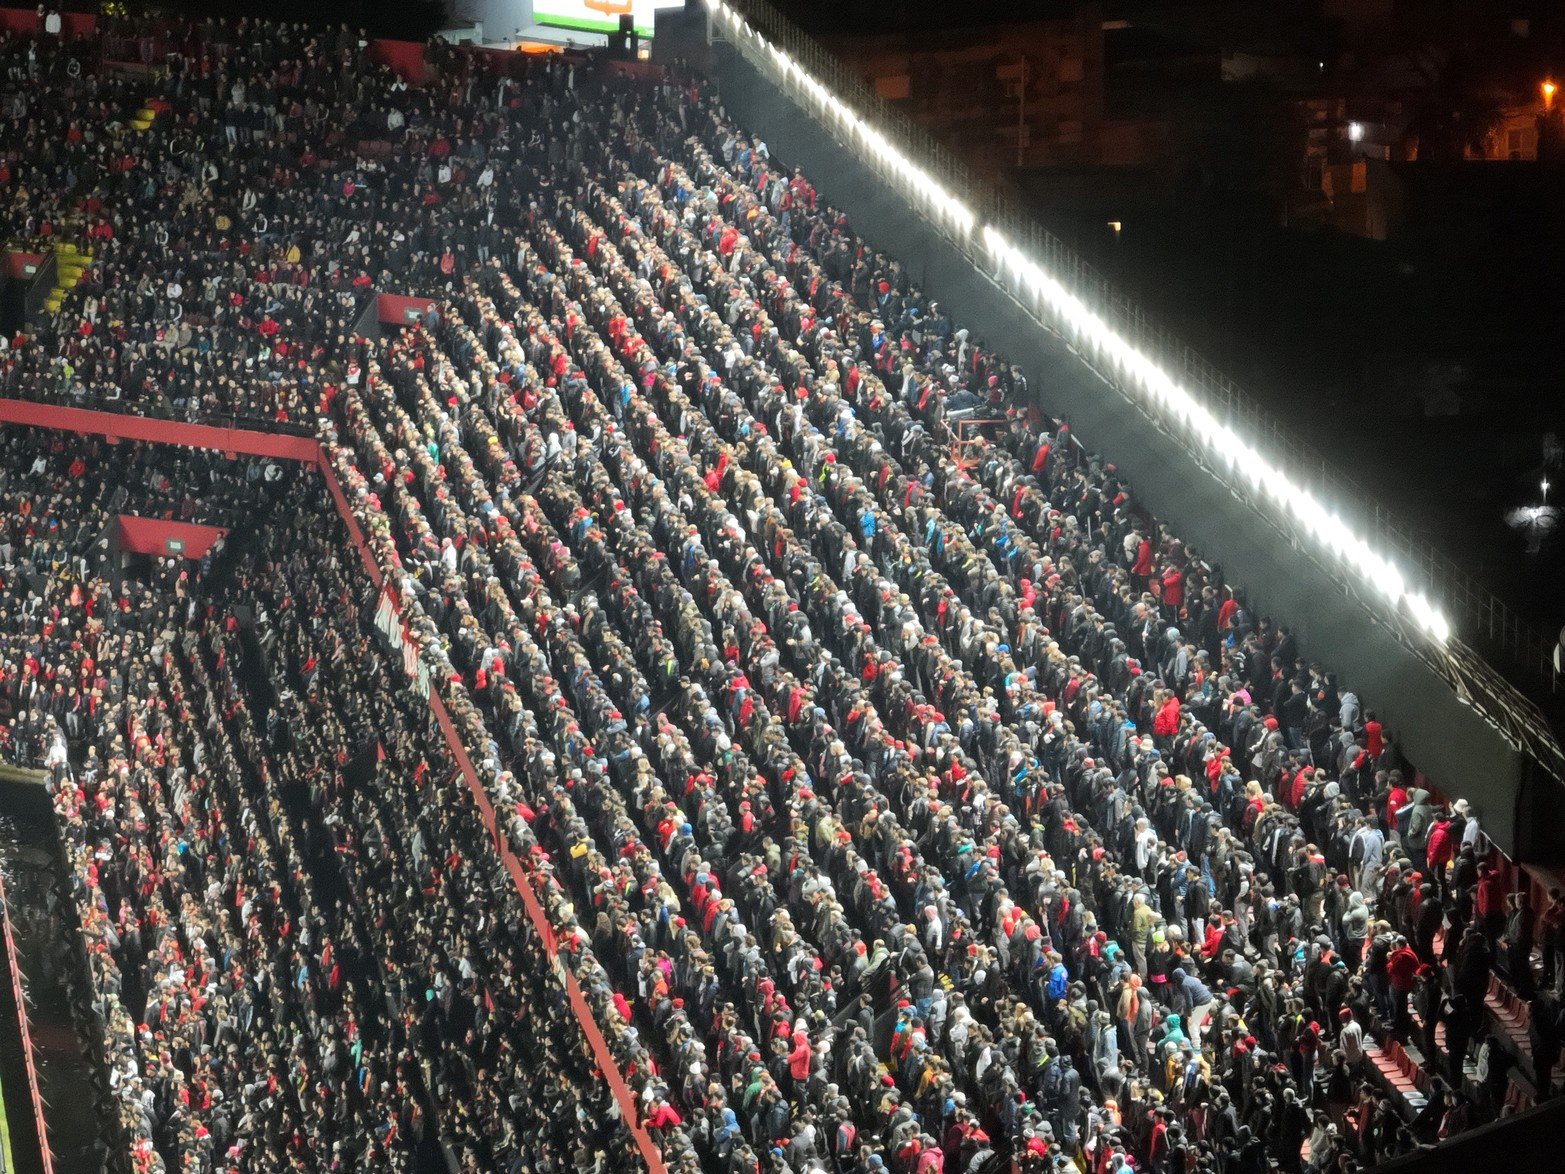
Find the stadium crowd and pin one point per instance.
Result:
(896, 805)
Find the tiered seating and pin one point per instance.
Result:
(890, 809)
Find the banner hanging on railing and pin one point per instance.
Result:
(391, 624)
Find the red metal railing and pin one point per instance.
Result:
(33, 1093)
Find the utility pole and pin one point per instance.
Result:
(1021, 115)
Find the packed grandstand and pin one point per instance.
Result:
(645, 723)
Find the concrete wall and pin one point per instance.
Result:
(500, 18)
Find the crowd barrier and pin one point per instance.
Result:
(405, 57)
(73, 25)
(122, 426)
(34, 1096)
(398, 310)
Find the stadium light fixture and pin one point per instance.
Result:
(1267, 481)
(951, 210)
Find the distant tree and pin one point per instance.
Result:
(1456, 113)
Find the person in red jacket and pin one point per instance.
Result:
(1141, 569)
(662, 1116)
(1440, 849)
(1165, 723)
(1173, 585)
(1489, 901)
(1402, 971)
(1396, 799)
(1374, 735)
(1298, 786)
(801, 1059)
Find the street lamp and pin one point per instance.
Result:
(1355, 132)
(1545, 491)
(1549, 90)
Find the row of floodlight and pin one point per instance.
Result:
(1092, 335)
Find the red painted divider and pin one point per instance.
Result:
(27, 1043)
(120, 426)
(406, 58)
(73, 25)
(17, 264)
(153, 535)
(397, 310)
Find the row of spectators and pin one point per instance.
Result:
(893, 807)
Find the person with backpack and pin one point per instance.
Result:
(1057, 985)
(1394, 804)
(1194, 998)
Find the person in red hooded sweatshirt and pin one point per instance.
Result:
(1173, 589)
(1374, 735)
(1402, 970)
(1396, 799)
(1489, 901)
(1141, 570)
(1440, 849)
(1165, 722)
(801, 1062)
(661, 1115)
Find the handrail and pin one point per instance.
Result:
(1478, 610)
(34, 1094)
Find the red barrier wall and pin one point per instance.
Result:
(25, 20)
(152, 536)
(123, 427)
(394, 309)
(16, 264)
(405, 57)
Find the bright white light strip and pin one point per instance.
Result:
(1266, 480)
(919, 184)
(1133, 369)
